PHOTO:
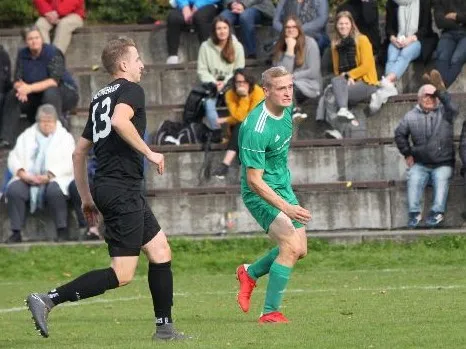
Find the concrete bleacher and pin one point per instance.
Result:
(354, 184)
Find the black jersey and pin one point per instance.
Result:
(117, 162)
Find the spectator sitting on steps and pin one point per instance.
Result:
(219, 56)
(409, 29)
(199, 13)
(354, 68)
(247, 14)
(450, 56)
(40, 77)
(299, 54)
(366, 16)
(313, 14)
(64, 16)
(5, 76)
(430, 156)
(240, 100)
(42, 170)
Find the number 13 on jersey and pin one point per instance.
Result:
(101, 123)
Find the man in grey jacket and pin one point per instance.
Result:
(246, 14)
(430, 154)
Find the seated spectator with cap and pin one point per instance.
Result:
(40, 77)
(42, 168)
(425, 138)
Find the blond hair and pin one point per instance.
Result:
(272, 73)
(114, 51)
(354, 33)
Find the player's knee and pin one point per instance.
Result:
(291, 251)
(303, 252)
(124, 280)
(124, 276)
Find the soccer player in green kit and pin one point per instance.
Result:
(264, 141)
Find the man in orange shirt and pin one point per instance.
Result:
(65, 16)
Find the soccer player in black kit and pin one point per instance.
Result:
(116, 124)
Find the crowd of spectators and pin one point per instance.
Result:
(44, 90)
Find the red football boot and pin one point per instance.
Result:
(246, 286)
(273, 317)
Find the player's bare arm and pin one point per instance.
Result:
(121, 123)
(82, 184)
(257, 184)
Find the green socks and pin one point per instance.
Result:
(262, 266)
(278, 279)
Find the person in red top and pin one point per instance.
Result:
(65, 15)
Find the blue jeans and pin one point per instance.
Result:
(450, 55)
(419, 176)
(210, 105)
(398, 59)
(247, 21)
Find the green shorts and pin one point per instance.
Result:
(263, 212)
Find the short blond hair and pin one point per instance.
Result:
(272, 73)
(114, 51)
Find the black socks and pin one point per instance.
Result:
(160, 279)
(85, 286)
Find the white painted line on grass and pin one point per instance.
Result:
(223, 293)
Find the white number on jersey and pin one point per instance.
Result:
(99, 118)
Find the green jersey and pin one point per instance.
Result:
(264, 141)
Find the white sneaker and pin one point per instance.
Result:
(333, 134)
(386, 90)
(173, 60)
(299, 115)
(345, 114)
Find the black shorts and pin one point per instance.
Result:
(129, 221)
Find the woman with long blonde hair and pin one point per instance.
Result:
(353, 65)
(300, 55)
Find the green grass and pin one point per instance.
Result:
(377, 295)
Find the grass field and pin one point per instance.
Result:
(377, 295)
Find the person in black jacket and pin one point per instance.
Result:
(409, 31)
(5, 76)
(430, 156)
(366, 16)
(450, 56)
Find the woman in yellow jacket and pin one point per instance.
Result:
(240, 100)
(353, 65)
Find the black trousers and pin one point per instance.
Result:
(18, 196)
(202, 20)
(62, 98)
(233, 143)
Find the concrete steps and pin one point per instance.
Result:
(381, 125)
(336, 207)
(364, 205)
